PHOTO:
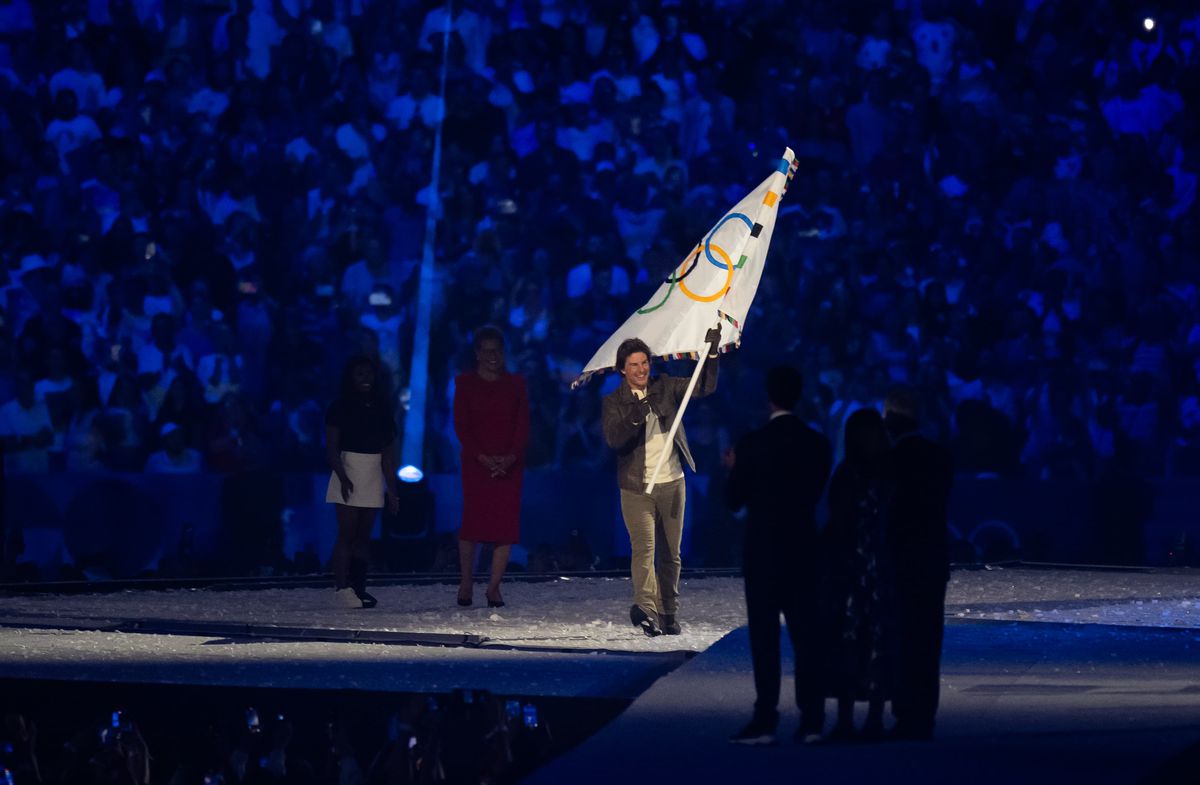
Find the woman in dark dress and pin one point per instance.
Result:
(491, 418)
(360, 437)
(859, 583)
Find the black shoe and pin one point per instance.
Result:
(756, 733)
(496, 603)
(669, 625)
(464, 601)
(358, 582)
(646, 621)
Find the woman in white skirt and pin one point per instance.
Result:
(360, 443)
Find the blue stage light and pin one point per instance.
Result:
(410, 473)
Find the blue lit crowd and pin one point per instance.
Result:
(206, 206)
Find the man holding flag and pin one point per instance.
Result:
(636, 419)
(714, 285)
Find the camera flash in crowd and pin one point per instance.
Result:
(1148, 23)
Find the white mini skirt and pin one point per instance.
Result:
(365, 472)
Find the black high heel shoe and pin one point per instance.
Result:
(465, 602)
(496, 603)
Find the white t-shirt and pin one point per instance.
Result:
(656, 442)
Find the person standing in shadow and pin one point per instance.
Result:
(778, 473)
(858, 587)
(360, 437)
(917, 545)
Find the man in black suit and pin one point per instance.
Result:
(778, 474)
(917, 543)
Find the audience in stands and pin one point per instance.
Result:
(204, 207)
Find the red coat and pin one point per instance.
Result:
(491, 418)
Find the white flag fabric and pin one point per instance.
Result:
(716, 280)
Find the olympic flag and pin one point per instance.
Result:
(716, 281)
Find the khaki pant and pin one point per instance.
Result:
(650, 520)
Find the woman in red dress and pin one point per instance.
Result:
(491, 418)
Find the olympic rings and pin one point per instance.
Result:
(724, 287)
(709, 247)
(717, 228)
(661, 303)
(671, 281)
(695, 259)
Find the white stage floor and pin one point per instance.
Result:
(1049, 675)
(573, 628)
(592, 613)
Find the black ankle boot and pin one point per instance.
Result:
(358, 582)
(669, 625)
(645, 620)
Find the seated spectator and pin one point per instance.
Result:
(123, 423)
(26, 430)
(374, 269)
(233, 443)
(384, 318)
(70, 130)
(219, 372)
(175, 457)
(162, 355)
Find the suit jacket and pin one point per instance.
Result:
(917, 516)
(625, 427)
(779, 476)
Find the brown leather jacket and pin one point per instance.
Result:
(625, 427)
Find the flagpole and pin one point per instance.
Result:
(687, 396)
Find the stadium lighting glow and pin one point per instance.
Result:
(1148, 23)
(410, 473)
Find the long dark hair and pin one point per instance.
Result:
(867, 442)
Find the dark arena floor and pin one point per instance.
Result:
(1049, 675)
